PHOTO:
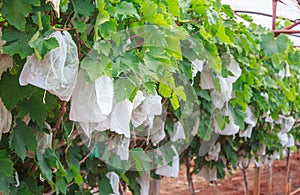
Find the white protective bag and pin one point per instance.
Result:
(144, 182)
(230, 129)
(5, 60)
(287, 123)
(291, 141)
(208, 174)
(57, 72)
(206, 80)
(123, 148)
(213, 153)
(114, 182)
(5, 119)
(44, 140)
(167, 170)
(197, 66)
(219, 98)
(157, 132)
(283, 137)
(178, 132)
(251, 120)
(151, 106)
(120, 117)
(92, 101)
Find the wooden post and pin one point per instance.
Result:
(154, 187)
(270, 179)
(256, 186)
(288, 173)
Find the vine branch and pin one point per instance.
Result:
(62, 111)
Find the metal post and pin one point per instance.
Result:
(274, 15)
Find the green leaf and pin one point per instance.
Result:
(168, 155)
(214, 59)
(220, 120)
(83, 7)
(269, 82)
(108, 28)
(124, 89)
(14, 93)
(174, 102)
(5, 182)
(213, 16)
(199, 7)
(15, 11)
(179, 91)
(102, 17)
(221, 34)
(74, 156)
(60, 183)
(125, 9)
(23, 189)
(17, 41)
(6, 164)
(272, 45)
(64, 5)
(103, 47)
(44, 22)
(36, 108)
(150, 13)
(238, 116)
(47, 161)
(204, 94)
(228, 11)
(173, 7)
(44, 167)
(22, 139)
(143, 162)
(80, 25)
(294, 58)
(164, 90)
(173, 47)
(96, 65)
(41, 45)
(150, 87)
(105, 187)
(247, 17)
(131, 178)
(75, 172)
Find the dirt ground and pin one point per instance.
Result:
(234, 185)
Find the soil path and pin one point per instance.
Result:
(234, 185)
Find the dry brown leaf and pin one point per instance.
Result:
(55, 5)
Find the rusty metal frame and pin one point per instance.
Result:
(285, 30)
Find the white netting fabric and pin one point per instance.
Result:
(213, 153)
(6, 61)
(144, 182)
(208, 174)
(91, 103)
(57, 72)
(44, 140)
(178, 132)
(230, 129)
(251, 120)
(5, 119)
(167, 170)
(114, 182)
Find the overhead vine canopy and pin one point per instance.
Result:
(99, 95)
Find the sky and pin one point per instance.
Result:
(289, 10)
